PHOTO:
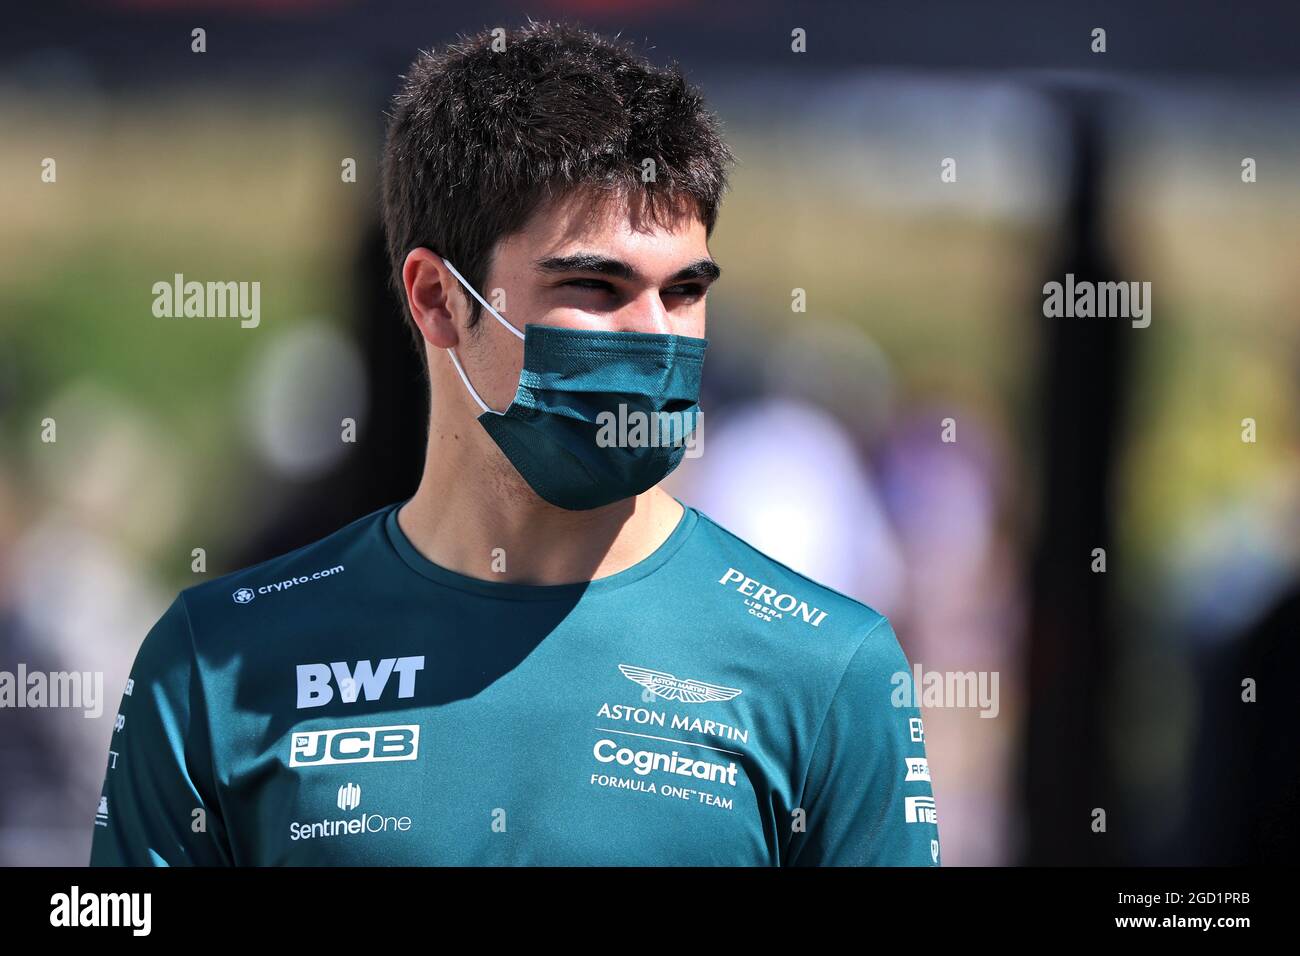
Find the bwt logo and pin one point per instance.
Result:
(321, 748)
(362, 680)
(349, 796)
(767, 604)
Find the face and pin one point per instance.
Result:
(582, 263)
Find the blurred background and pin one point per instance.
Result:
(824, 436)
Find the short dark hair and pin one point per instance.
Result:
(479, 137)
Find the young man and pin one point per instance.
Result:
(541, 657)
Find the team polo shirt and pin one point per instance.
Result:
(353, 703)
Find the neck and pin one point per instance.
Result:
(473, 514)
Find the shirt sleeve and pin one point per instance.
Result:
(867, 799)
(158, 805)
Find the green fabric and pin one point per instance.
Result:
(773, 692)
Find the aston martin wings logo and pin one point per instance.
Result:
(673, 688)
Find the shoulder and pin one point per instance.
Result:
(308, 580)
(829, 628)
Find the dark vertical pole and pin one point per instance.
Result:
(1067, 773)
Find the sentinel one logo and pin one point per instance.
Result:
(348, 799)
(246, 595)
(320, 748)
(364, 680)
(349, 796)
(920, 810)
(669, 687)
(769, 605)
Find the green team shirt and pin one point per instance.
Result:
(352, 703)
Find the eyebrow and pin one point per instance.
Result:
(618, 269)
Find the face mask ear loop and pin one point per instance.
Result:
(452, 352)
(470, 388)
(482, 301)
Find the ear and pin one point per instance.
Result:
(437, 313)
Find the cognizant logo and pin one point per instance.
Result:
(644, 762)
(246, 595)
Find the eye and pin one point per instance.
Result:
(691, 290)
(597, 284)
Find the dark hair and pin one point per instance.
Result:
(479, 136)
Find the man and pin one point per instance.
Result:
(540, 658)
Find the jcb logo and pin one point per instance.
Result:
(319, 748)
(361, 680)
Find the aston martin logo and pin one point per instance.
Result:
(673, 688)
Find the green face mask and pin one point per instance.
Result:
(599, 416)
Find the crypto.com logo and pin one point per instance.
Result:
(246, 595)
